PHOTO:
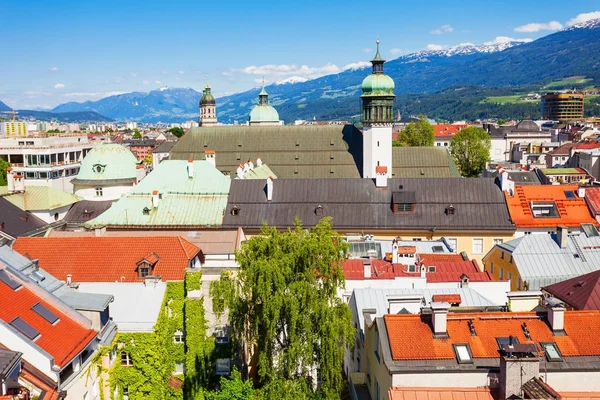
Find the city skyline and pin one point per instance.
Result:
(68, 51)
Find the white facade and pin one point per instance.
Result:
(377, 149)
(50, 216)
(46, 161)
(101, 192)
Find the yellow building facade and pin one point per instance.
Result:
(500, 264)
(13, 129)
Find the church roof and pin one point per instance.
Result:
(107, 161)
(263, 113)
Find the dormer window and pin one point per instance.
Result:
(403, 202)
(450, 210)
(146, 211)
(544, 209)
(145, 267)
(319, 211)
(144, 270)
(235, 210)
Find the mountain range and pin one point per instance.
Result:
(70, 116)
(571, 52)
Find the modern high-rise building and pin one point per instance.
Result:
(563, 106)
(13, 129)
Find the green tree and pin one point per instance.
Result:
(137, 134)
(396, 143)
(284, 309)
(417, 133)
(177, 131)
(470, 149)
(148, 159)
(3, 166)
(234, 388)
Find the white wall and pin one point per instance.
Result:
(497, 150)
(108, 192)
(31, 353)
(573, 381)
(450, 379)
(377, 147)
(84, 383)
(48, 215)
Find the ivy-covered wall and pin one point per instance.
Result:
(154, 355)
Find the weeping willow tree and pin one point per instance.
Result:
(284, 311)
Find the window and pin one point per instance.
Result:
(126, 361)
(477, 246)
(492, 268)
(502, 255)
(377, 345)
(453, 242)
(518, 283)
(511, 259)
(501, 273)
(510, 276)
(178, 337)
(412, 268)
(179, 369)
(377, 390)
(431, 268)
(463, 353)
(98, 192)
(551, 351)
(416, 239)
(144, 271)
(504, 340)
(544, 209)
(498, 241)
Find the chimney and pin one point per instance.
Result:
(69, 279)
(250, 165)
(190, 168)
(19, 183)
(209, 155)
(519, 363)
(155, 199)
(524, 300)
(395, 253)
(381, 174)
(240, 171)
(464, 281)
(439, 319)
(269, 188)
(367, 269)
(10, 180)
(423, 270)
(556, 316)
(562, 233)
(258, 162)
(581, 192)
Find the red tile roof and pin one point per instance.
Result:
(108, 259)
(571, 212)
(592, 196)
(407, 250)
(448, 298)
(445, 130)
(62, 340)
(381, 169)
(411, 336)
(444, 271)
(581, 293)
(439, 393)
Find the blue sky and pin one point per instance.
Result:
(63, 50)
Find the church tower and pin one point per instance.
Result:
(208, 108)
(377, 116)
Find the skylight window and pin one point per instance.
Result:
(544, 209)
(25, 328)
(506, 341)
(463, 353)
(8, 280)
(551, 351)
(569, 194)
(45, 313)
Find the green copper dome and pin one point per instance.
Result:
(207, 97)
(378, 83)
(263, 112)
(108, 161)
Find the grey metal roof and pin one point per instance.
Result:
(86, 210)
(541, 262)
(76, 181)
(358, 204)
(17, 222)
(165, 147)
(77, 300)
(377, 299)
(8, 359)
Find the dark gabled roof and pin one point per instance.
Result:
(165, 147)
(521, 178)
(86, 210)
(581, 293)
(527, 125)
(297, 152)
(358, 204)
(8, 359)
(16, 222)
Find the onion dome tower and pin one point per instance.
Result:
(208, 108)
(263, 113)
(377, 117)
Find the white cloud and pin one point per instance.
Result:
(181, 72)
(158, 82)
(146, 82)
(275, 72)
(53, 69)
(536, 27)
(177, 78)
(435, 47)
(505, 39)
(91, 95)
(356, 65)
(583, 17)
(465, 44)
(396, 51)
(134, 74)
(442, 29)
(367, 50)
(59, 86)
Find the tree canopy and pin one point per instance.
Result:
(234, 388)
(417, 133)
(3, 166)
(177, 131)
(137, 134)
(285, 312)
(470, 149)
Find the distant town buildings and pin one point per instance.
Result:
(11, 129)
